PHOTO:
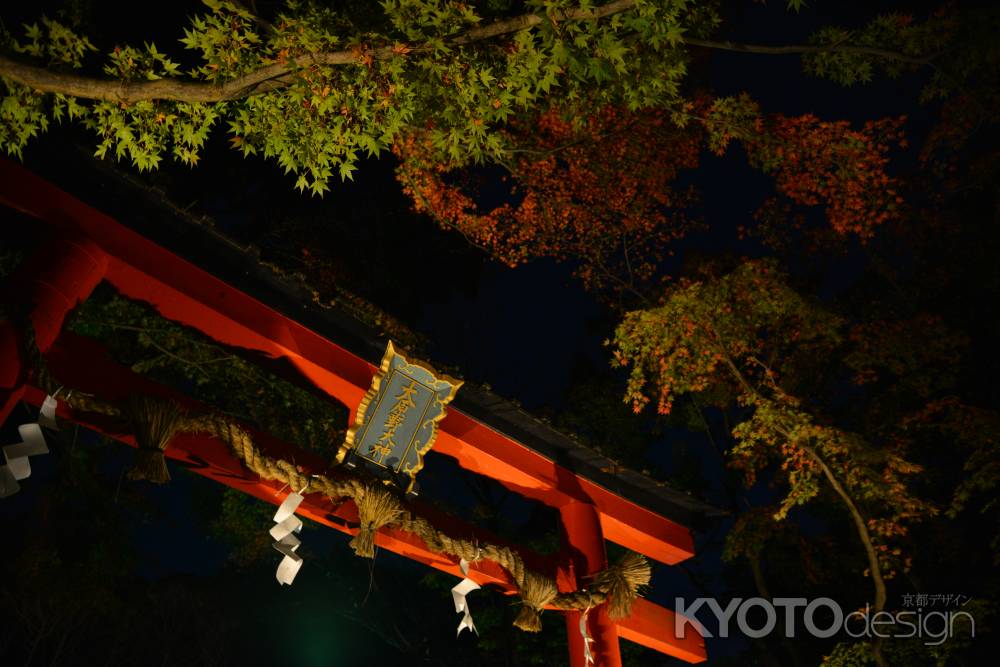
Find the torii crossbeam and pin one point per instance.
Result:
(87, 246)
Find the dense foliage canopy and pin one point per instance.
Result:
(832, 350)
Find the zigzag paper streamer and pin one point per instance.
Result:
(458, 593)
(284, 531)
(32, 443)
(587, 640)
(47, 415)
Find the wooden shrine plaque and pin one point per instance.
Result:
(396, 422)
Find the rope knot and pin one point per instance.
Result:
(536, 592)
(377, 507)
(154, 422)
(622, 582)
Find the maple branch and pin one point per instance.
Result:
(628, 262)
(263, 78)
(810, 48)
(862, 528)
(526, 21)
(268, 77)
(439, 218)
(860, 524)
(625, 286)
(252, 11)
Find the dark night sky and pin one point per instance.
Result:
(524, 331)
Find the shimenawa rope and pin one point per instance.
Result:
(155, 421)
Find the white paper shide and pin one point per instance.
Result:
(17, 465)
(458, 593)
(285, 531)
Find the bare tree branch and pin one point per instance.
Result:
(810, 48)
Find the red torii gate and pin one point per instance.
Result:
(88, 246)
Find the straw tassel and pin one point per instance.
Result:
(376, 508)
(622, 582)
(536, 592)
(155, 421)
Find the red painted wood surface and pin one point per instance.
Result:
(583, 548)
(653, 626)
(54, 280)
(85, 364)
(184, 293)
(69, 269)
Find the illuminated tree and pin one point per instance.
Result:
(315, 88)
(745, 335)
(599, 191)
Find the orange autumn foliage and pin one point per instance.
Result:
(600, 191)
(828, 163)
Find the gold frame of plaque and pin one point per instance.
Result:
(407, 398)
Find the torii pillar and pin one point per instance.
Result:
(583, 548)
(53, 281)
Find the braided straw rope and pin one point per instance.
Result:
(378, 507)
(155, 421)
